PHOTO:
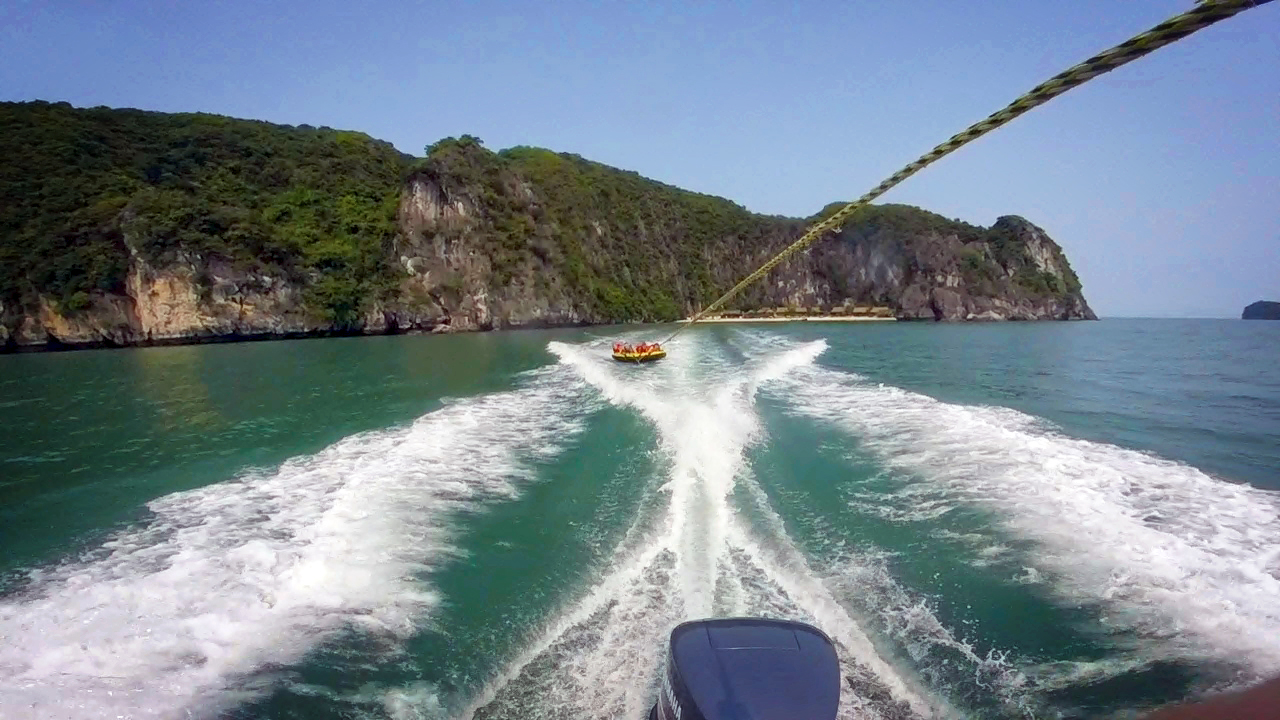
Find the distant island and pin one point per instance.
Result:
(1262, 310)
(126, 227)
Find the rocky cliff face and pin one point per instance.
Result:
(534, 239)
(191, 300)
(449, 281)
(582, 248)
(1014, 271)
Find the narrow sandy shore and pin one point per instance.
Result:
(815, 318)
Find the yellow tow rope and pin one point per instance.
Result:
(1204, 14)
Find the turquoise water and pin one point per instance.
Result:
(1050, 520)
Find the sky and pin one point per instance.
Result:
(1161, 180)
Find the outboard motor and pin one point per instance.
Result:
(749, 669)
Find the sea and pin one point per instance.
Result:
(1016, 520)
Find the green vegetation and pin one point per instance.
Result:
(509, 215)
(1011, 252)
(1038, 282)
(83, 190)
(979, 273)
(315, 204)
(628, 242)
(626, 247)
(903, 221)
(1072, 284)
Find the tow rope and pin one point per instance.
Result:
(1204, 14)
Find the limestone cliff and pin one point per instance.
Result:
(450, 276)
(1012, 271)
(592, 244)
(190, 301)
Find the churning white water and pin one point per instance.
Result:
(167, 618)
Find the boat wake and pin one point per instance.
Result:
(191, 611)
(600, 657)
(176, 616)
(1186, 563)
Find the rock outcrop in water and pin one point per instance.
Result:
(1262, 310)
(120, 227)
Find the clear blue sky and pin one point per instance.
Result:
(1161, 179)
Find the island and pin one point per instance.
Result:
(1262, 310)
(124, 227)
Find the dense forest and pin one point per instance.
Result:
(315, 203)
(86, 194)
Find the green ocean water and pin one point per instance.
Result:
(1013, 520)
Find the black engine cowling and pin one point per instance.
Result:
(749, 669)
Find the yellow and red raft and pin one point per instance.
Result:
(640, 353)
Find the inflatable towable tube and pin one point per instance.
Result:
(644, 352)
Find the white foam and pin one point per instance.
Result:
(419, 701)
(1066, 674)
(166, 617)
(1189, 561)
(803, 593)
(600, 656)
(949, 662)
